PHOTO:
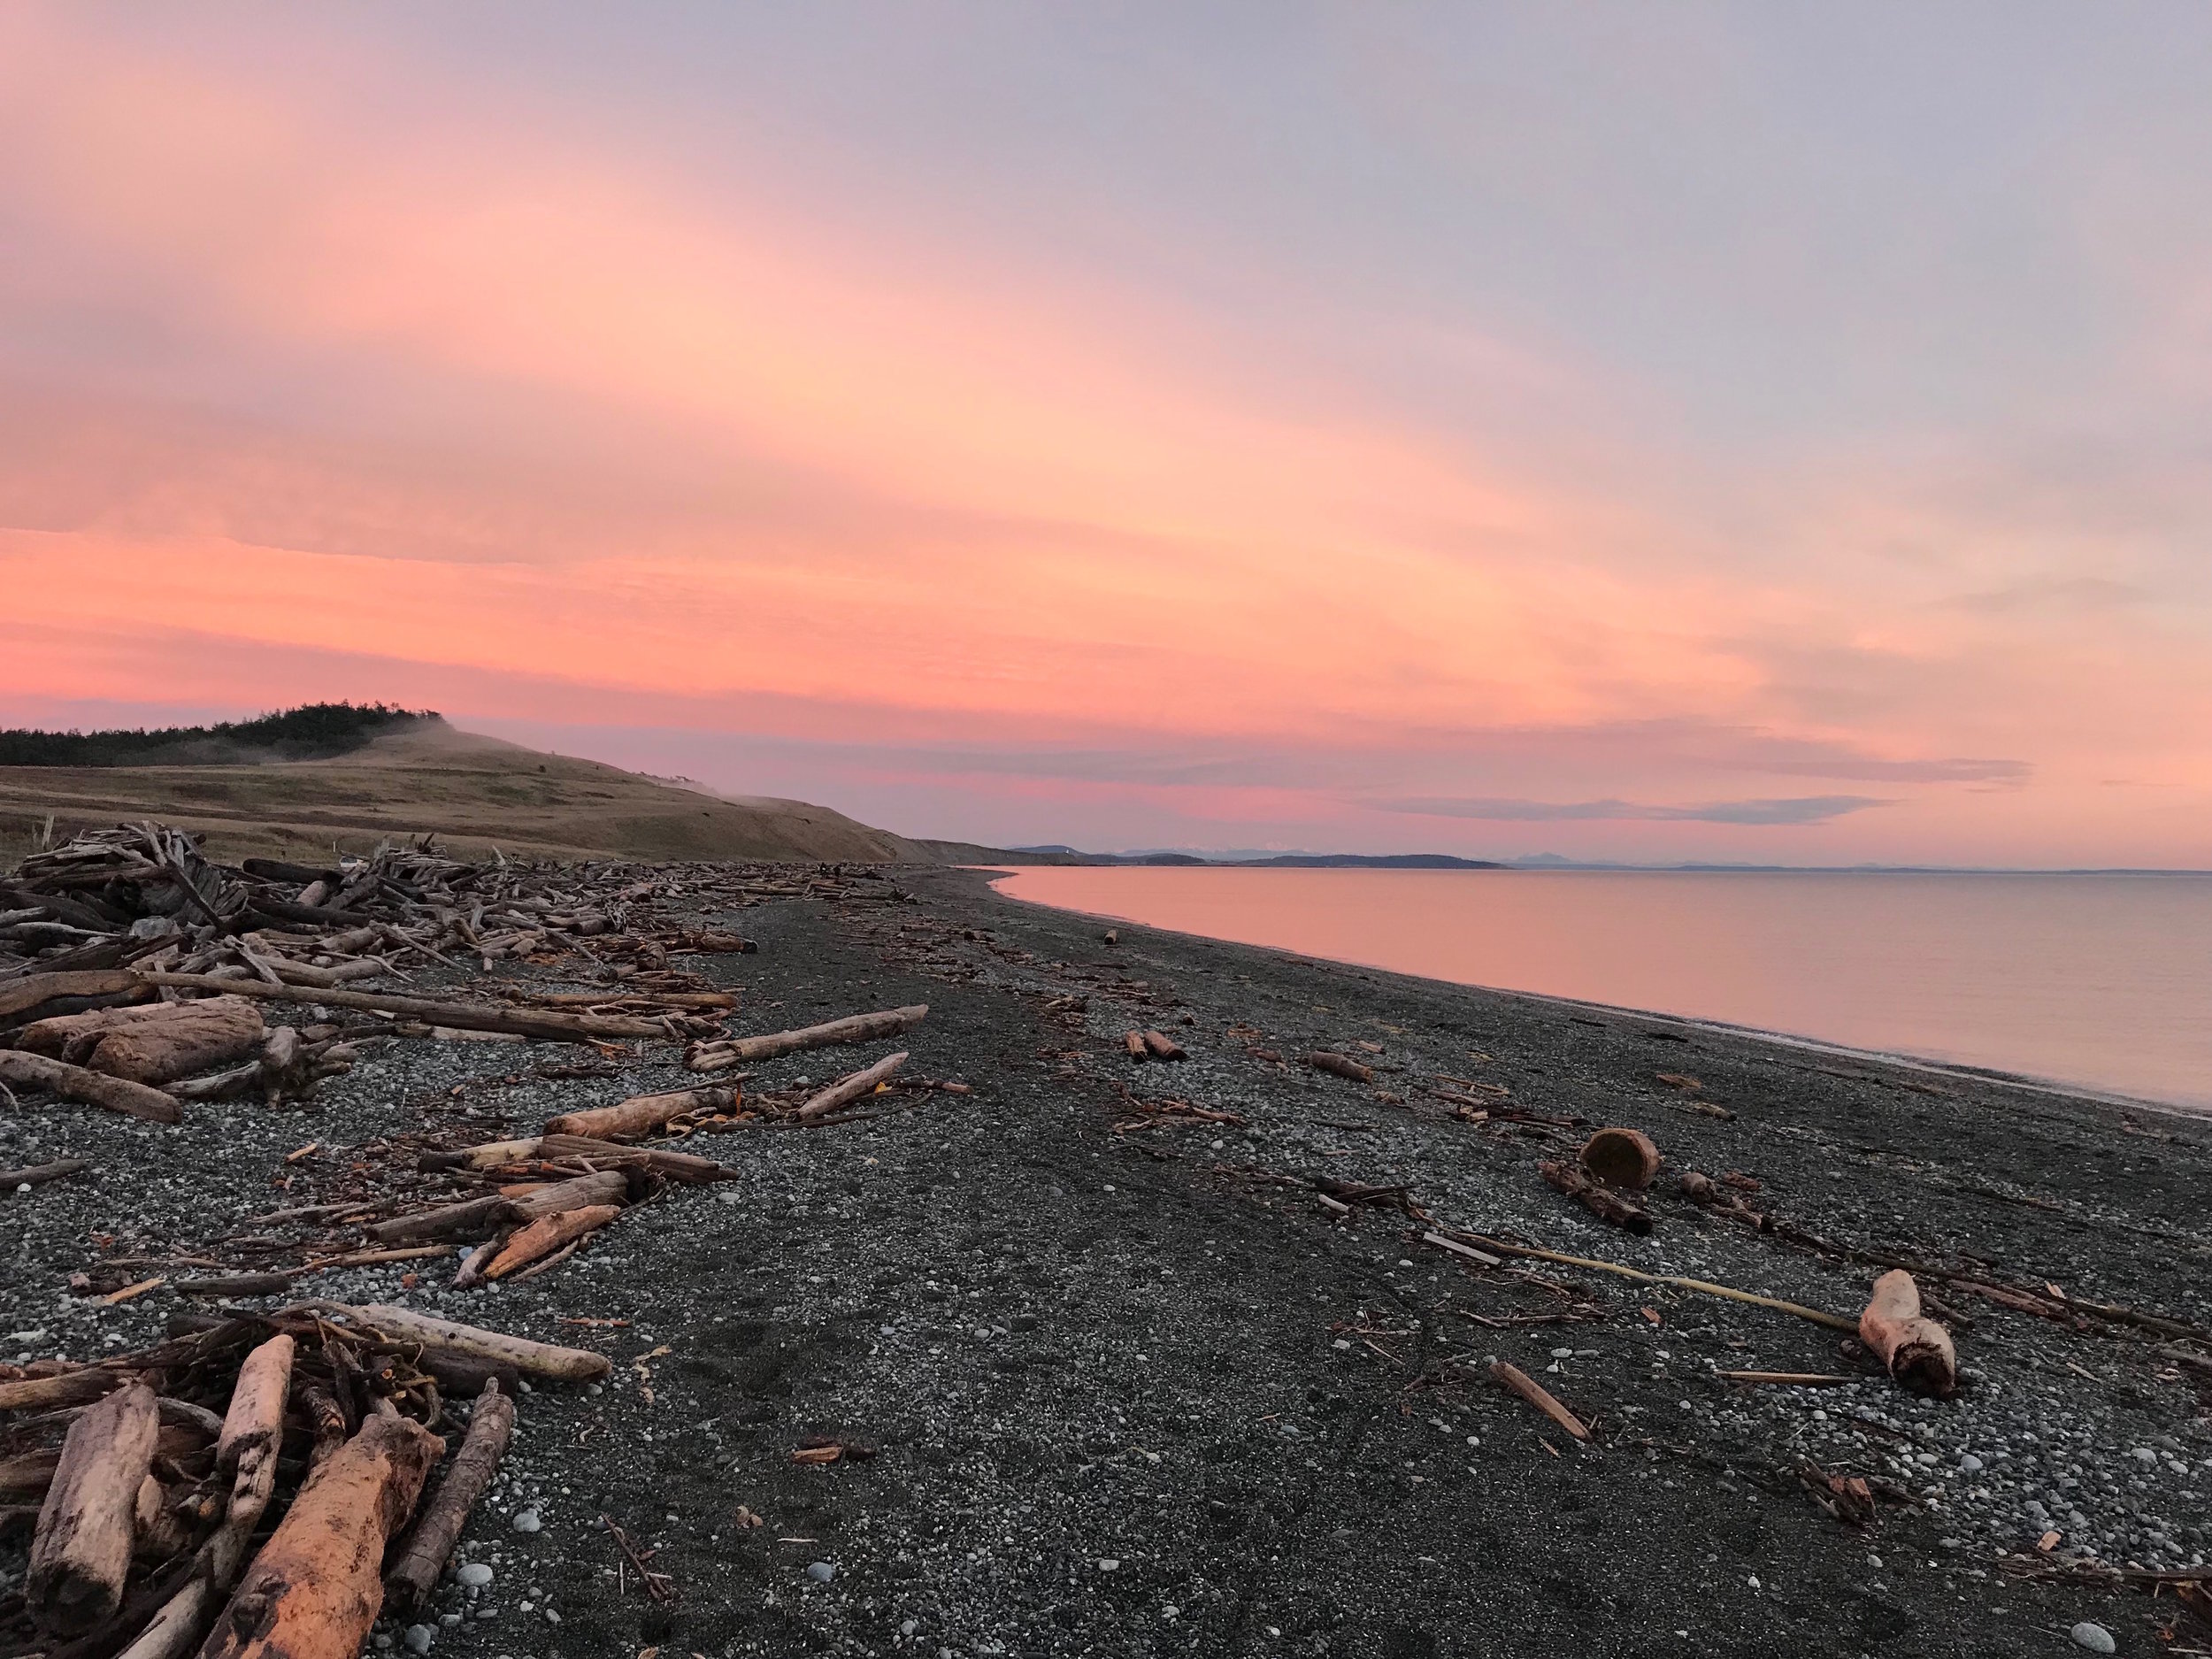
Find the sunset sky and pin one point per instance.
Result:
(1763, 432)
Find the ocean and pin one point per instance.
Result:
(2099, 982)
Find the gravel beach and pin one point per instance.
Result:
(1128, 1385)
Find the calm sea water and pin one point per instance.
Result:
(2103, 982)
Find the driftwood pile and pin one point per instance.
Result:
(139, 976)
(234, 1490)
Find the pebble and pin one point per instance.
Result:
(476, 1575)
(1970, 1464)
(1107, 1563)
(419, 1637)
(526, 1521)
(2096, 1637)
(821, 1573)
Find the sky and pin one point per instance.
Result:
(1769, 432)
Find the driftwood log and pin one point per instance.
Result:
(90, 1088)
(477, 1216)
(82, 1550)
(681, 1167)
(253, 1436)
(684, 1168)
(32, 996)
(1594, 1197)
(1160, 1047)
(493, 1348)
(39, 1174)
(543, 1237)
(193, 1037)
(716, 1056)
(1623, 1158)
(314, 1591)
(1915, 1348)
(491, 1425)
(151, 1042)
(545, 1023)
(1341, 1065)
(847, 1090)
(643, 1114)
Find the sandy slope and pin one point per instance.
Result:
(475, 791)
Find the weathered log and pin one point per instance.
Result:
(189, 1037)
(1160, 1047)
(547, 1235)
(532, 1359)
(1600, 1200)
(156, 1531)
(255, 1422)
(71, 1037)
(64, 1388)
(715, 1057)
(1916, 1349)
(643, 1114)
(1621, 1158)
(27, 1476)
(1340, 1065)
(90, 1088)
(489, 1156)
(473, 1219)
(605, 1186)
(314, 1591)
(39, 1174)
(300, 875)
(683, 1168)
(545, 1024)
(81, 1550)
(1133, 1045)
(847, 1090)
(36, 996)
(491, 1425)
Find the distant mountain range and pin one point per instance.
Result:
(1269, 861)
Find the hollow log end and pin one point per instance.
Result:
(1624, 1158)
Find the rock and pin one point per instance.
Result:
(476, 1575)
(419, 1637)
(2096, 1637)
(2144, 1454)
(1107, 1563)
(1970, 1464)
(821, 1571)
(526, 1521)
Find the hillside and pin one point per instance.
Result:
(474, 792)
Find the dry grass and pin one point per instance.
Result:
(475, 792)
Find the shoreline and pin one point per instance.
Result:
(1076, 1326)
(2027, 1081)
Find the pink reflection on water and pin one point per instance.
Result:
(2104, 982)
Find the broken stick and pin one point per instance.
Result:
(1522, 1384)
(852, 1088)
